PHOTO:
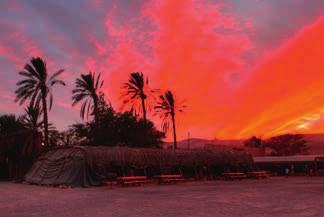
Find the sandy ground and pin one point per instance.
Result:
(298, 196)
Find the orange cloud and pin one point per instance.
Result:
(286, 92)
(203, 51)
(201, 54)
(188, 55)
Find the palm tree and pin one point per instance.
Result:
(11, 137)
(36, 86)
(31, 119)
(167, 107)
(34, 125)
(136, 89)
(86, 90)
(20, 141)
(9, 124)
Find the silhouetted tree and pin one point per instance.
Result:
(86, 133)
(66, 138)
(287, 144)
(33, 124)
(137, 89)
(253, 142)
(36, 86)
(9, 124)
(19, 144)
(86, 90)
(53, 136)
(114, 128)
(167, 108)
(10, 127)
(106, 133)
(135, 132)
(79, 134)
(31, 120)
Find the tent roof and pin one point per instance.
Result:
(144, 157)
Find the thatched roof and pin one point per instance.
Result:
(143, 157)
(287, 159)
(83, 166)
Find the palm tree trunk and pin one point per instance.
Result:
(45, 117)
(96, 119)
(95, 110)
(174, 132)
(144, 109)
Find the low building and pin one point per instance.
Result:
(298, 164)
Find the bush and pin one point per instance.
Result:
(123, 129)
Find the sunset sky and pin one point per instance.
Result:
(243, 67)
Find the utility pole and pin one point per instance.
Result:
(188, 140)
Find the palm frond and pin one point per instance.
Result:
(40, 68)
(50, 102)
(31, 119)
(56, 74)
(166, 107)
(36, 79)
(52, 83)
(86, 90)
(30, 72)
(137, 92)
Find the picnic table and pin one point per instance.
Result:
(132, 180)
(234, 176)
(167, 179)
(258, 174)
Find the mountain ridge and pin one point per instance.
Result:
(314, 141)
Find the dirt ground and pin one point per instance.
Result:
(273, 197)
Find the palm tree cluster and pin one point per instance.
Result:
(166, 105)
(36, 88)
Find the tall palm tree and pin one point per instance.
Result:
(136, 89)
(36, 87)
(87, 90)
(167, 107)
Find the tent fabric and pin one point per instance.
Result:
(62, 167)
(83, 166)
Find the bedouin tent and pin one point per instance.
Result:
(85, 166)
(66, 166)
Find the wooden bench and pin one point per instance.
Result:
(258, 174)
(234, 176)
(319, 172)
(132, 180)
(168, 179)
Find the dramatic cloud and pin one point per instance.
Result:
(242, 68)
(285, 93)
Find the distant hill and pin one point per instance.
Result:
(195, 143)
(314, 141)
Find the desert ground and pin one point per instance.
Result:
(276, 196)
